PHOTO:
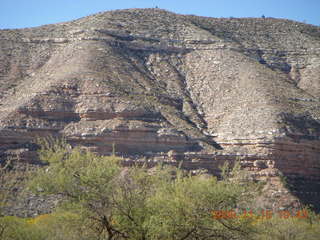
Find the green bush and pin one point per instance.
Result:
(290, 228)
(132, 203)
(14, 228)
(103, 200)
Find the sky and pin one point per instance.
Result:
(32, 13)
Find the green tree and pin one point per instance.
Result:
(183, 209)
(134, 203)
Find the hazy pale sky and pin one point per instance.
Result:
(31, 13)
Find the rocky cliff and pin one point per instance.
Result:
(164, 87)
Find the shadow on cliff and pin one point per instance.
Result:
(304, 136)
(306, 190)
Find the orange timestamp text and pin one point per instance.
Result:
(263, 214)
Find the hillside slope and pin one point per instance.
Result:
(169, 87)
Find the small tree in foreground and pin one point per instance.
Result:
(132, 203)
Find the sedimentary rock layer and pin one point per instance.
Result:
(163, 87)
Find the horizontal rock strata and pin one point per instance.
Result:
(162, 87)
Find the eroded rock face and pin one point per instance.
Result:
(170, 88)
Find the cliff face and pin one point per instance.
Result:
(168, 87)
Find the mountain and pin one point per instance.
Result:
(163, 87)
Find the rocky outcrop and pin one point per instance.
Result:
(163, 87)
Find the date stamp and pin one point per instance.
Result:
(263, 214)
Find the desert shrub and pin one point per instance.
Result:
(14, 228)
(289, 228)
(103, 200)
(133, 203)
